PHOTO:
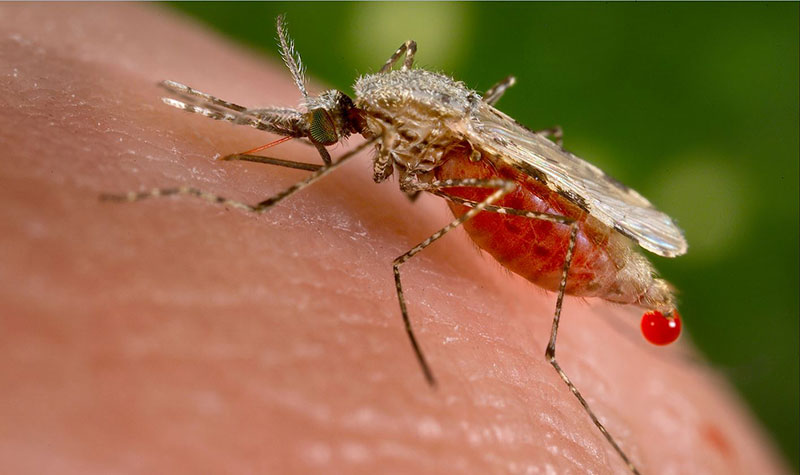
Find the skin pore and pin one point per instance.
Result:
(173, 335)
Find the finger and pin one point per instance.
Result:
(137, 337)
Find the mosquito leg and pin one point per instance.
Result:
(550, 353)
(323, 152)
(494, 93)
(409, 48)
(556, 133)
(503, 187)
(213, 198)
(553, 218)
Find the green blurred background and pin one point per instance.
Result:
(695, 105)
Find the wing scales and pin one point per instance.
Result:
(611, 202)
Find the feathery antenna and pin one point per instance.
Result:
(290, 56)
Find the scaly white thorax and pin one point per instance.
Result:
(414, 114)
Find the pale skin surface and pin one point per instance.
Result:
(178, 336)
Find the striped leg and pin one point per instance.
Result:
(553, 218)
(210, 197)
(409, 48)
(503, 187)
(550, 352)
(494, 93)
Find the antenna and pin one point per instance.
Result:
(290, 56)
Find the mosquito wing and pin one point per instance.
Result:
(608, 200)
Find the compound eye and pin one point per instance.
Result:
(323, 130)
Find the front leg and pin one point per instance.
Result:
(257, 208)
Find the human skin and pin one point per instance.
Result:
(178, 336)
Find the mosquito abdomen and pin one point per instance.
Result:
(604, 265)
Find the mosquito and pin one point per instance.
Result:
(539, 210)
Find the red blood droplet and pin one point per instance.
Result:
(659, 329)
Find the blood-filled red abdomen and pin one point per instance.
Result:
(533, 248)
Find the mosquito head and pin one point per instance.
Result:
(331, 117)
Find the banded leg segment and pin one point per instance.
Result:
(409, 48)
(213, 198)
(553, 218)
(550, 353)
(503, 187)
(494, 93)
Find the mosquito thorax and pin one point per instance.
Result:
(431, 95)
(331, 117)
(413, 112)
